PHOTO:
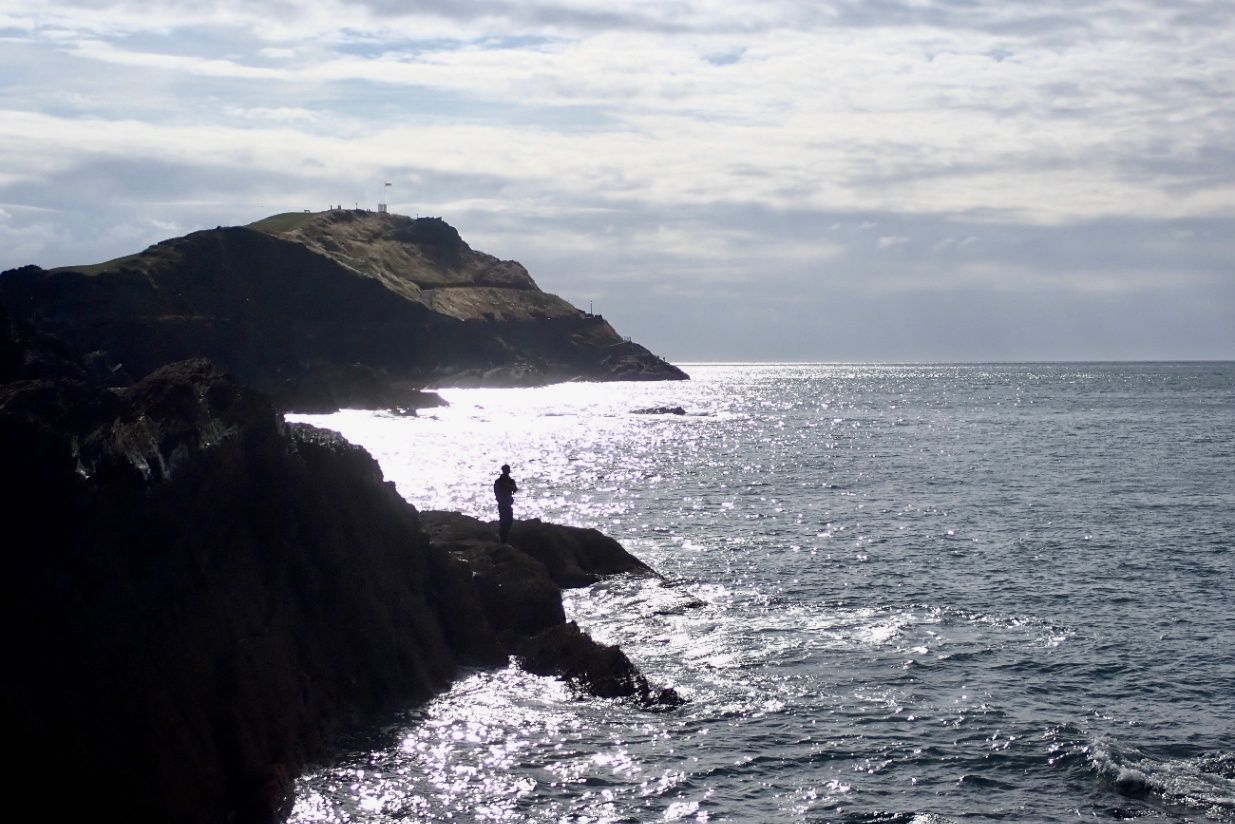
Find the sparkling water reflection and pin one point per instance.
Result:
(893, 593)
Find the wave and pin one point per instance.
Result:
(1205, 781)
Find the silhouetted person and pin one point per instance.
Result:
(504, 489)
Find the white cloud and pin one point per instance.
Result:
(1011, 278)
(25, 240)
(275, 114)
(634, 135)
(948, 244)
(911, 117)
(104, 52)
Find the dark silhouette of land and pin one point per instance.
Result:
(201, 599)
(344, 308)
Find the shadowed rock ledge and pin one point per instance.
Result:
(201, 599)
(573, 557)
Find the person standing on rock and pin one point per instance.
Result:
(504, 489)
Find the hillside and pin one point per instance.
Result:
(424, 260)
(329, 309)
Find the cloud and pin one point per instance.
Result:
(777, 154)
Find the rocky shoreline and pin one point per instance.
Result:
(202, 599)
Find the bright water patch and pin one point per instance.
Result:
(892, 594)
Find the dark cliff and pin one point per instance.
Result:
(201, 599)
(320, 311)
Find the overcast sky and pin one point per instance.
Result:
(776, 180)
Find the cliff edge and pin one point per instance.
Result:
(200, 599)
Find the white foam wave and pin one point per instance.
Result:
(1205, 781)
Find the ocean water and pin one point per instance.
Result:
(891, 594)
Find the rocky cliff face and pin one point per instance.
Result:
(200, 598)
(321, 311)
(424, 260)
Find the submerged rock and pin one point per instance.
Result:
(659, 410)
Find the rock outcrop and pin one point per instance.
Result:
(200, 598)
(541, 560)
(659, 410)
(328, 310)
(571, 556)
(565, 651)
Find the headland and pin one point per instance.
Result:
(203, 599)
(323, 310)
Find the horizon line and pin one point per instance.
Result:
(1010, 362)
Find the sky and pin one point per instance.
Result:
(837, 180)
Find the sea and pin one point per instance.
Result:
(888, 593)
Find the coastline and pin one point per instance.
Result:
(204, 599)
